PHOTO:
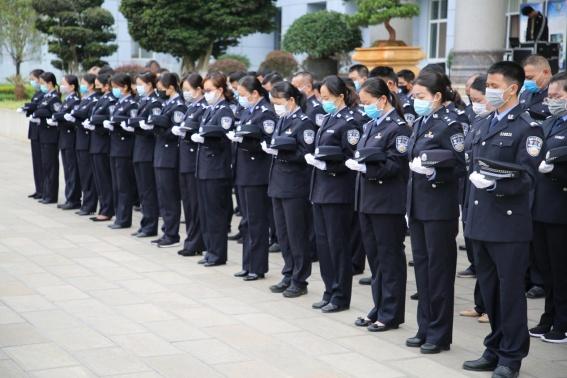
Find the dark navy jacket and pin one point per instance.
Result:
(145, 140)
(166, 150)
(122, 141)
(188, 148)
(100, 137)
(66, 128)
(82, 112)
(314, 110)
(49, 105)
(29, 108)
(533, 103)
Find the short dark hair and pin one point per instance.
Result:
(479, 83)
(407, 75)
(361, 69)
(384, 72)
(511, 71)
(560, 77)
(526, 10)
(272, 78)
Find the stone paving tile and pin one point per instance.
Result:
(80, 300)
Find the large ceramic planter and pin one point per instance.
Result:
(320, 68)
(397, 57)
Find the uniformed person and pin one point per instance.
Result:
(121, 150)
(33, 132)
(538, 74)
(196, 107)
(550, 218)
(313, 108)
(213, 168)
(251, 171)
(100, 148)
(166, 158)
(149, 104)
(537, 29)
(499, 222)
(332, 193)
(405, 81)
(433, 211)
(406, 100)
(69, 88)
(381, 202)
(89, 98)
(48, 136)
(358, 73)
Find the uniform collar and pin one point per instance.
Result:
(501, 116)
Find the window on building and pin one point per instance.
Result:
(315, 7)
(140, 53)
(438, 29)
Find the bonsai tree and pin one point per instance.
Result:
(280, 61)
(374, 12)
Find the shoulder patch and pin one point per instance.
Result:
(133, 113)
(402, 143)
(156, 111)
(410, 118)
(57, 106)
(533, 145)
(319, 118)
(269, 126)
(353, 136)
(458, 142)
(178, 116)
(309, 136)
(226, 122)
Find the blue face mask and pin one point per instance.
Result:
(141, 90)
(34, 84)
(422, 107)
(43, 88)
(372, 111)
(357, 85)
(83, 88)
(329, 107)
(531, 86)
(243, 101)
(116, 92)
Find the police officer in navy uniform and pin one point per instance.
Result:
(196, 107)
(313, 108)
(251, 171)
(33, 132)
(166, 158)
(538, 74)
(433, 211)
(499, 221)
(550, 218)
(78, 115)
(70, 88)
(149, 104)
(48, 136)
(100, 148)
(121, 149)
(213, 168)
(332, 193)
(289, 187)
(381, 203)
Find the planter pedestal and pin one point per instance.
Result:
(397, 57)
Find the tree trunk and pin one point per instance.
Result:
(18, 64)
(203, 61)
(391, 31)
(187, 64)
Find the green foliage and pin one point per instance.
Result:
(322, 34)
(7, 92)
(374, 12)
(79, 32)
(195, 29)
(280, 61)
(241, 58)
(227, 66)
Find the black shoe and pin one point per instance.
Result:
(188, 253)
(429, 348)
(137, 208)
(70, 206)
(331, 307)
(84, 212)
(555, 337)
(209, 264)
(203, 261)
(156, 241)
(467, 273)
(274, 248)
(235, 236)
(60, 205)
(240, 241)
(253, 277)
(462, 247)
(365, 281)
(167, 243)
(482, 364)
(105, 219)
(538, 331)
(46, 202)
(504, 372)
(135, 233)
(381, 327)
(294, 292)
(415, 342)
(535, 292)
(410, 263)
(115, 226)
(319, 305)
(362, 322)
(34, 196)
(280, 287)
(414, 297)
(242, 273)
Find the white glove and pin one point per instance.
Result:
(355, 166)
(268, 150)
(20, 110)
(545, 168)
(145, 126)
(87, 125)
(107, 125)
(177, 130)
(69, 117)
(480, 181)
(51, 122)
(310, 159)
(230, 135)
(125, 127)
(34, 120)
(415, 165)
(197, 138)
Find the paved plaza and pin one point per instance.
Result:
(80, 300)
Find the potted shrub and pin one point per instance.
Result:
(323, 36)
(227, 66)
(390, 52)
(280, 61)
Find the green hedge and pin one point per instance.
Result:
(7, 92)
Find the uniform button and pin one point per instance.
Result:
(380, 182)
(252, 158)
(509, 212)
(433, 186)
(192, 150)
(167, 145)
(122, 138)
(68, 131)
(483, 143)
(476, 202)
(565, 189)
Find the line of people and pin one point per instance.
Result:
(339, 171)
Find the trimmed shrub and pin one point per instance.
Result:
(280, 61)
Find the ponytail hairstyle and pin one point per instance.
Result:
(453, 95)
(218, 79)
(123, 80)
(74, 81)
(49, 77)
(434, 82)
(89, 78)
(285, 90)
(251, 84)
(148, 78)
(104, 79)
(168, 79)
(194, 80)
(336, 86)
(377, 88)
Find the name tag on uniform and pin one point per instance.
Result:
(429, 135)
(330, 131)
(503, 133)
(560, 137)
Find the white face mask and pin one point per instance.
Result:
(281, 110)
(187, 96)
(211, 97)
(495, 97)
(479, 108)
